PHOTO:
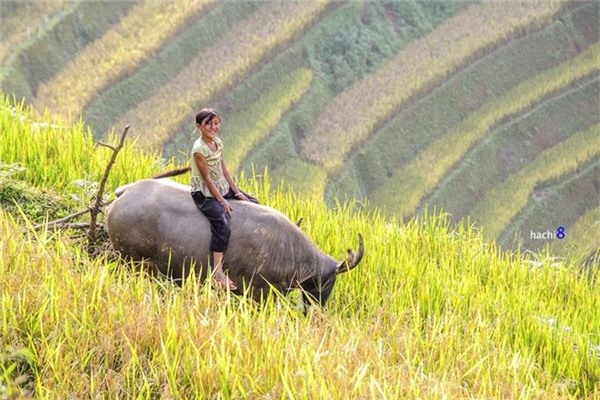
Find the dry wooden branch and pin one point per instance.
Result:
(62, 220)
(74, 225)
(106, 145)
(95, 210)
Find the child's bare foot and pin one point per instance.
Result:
(223, 280)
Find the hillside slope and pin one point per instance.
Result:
(339, 100)
(433, 311)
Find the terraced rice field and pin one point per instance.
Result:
(435, 113)
(419, 177)
(241, 48)
(111, 104)
(23, 21)
(499, 205)
(53, 44)
(513, 145)
(247, 130)
(400, 105)
(354, 114)
(140, 33)
(574, 195)
(582, 237)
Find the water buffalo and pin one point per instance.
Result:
(157, 220)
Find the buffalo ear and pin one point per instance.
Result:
(353, 258)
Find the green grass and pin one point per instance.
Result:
(18, 196)
(583, 238)
(416, 179)
(45, 146)
(504, 201)
(428, 117)
(432, 311)
(354, 114)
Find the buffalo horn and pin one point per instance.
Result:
(353, 258)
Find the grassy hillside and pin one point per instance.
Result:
(432, 311)
(511, 146)
(353, 114)
(420, 176)
(137, 36)
(57, 153)
(438, 111)
(372, 101)
(576, 194)
(47, 48)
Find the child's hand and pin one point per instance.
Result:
(241, 196)
(227, 207)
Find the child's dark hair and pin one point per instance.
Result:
(206, 115)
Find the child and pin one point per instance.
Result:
(212, 186)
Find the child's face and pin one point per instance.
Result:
(212, 128)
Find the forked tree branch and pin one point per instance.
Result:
(63, 220)
(106, 145)
(95, 209)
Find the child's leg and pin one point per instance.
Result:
(218, 274)
(219, 227)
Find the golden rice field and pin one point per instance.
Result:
(504, 201)
(243, 46)
(433, 311)
(19, 27)
(417, 178)
(138, 35)
(270, 107)
(583, 238)
(355, 113)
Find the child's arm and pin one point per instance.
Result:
(238, 194)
